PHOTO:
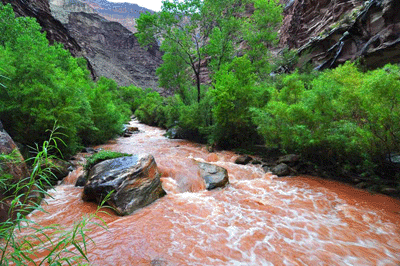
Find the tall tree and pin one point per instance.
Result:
(179, 26)
(214, 30)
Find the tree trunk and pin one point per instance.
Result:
(198, 86)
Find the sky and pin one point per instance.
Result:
(154, 5)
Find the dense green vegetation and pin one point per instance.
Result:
(343, 119)
(41, 84)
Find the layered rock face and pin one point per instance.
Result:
(114, 51)
(124, 13)
(328, 33)
(61, 9)
(135, 181)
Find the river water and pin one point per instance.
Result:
(257, 219)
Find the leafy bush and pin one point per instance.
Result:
(131, 95)
(343, 116)
(150, 111)
(45, 84)
(233, 94)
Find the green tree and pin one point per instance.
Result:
(199, 36)
(181, 27)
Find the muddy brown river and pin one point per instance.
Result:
(258, 219)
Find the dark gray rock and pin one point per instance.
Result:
(1, 127)
(243, 159)
(135, 181)
(266, 168)
(281, 169)
(214, 176)
(81, 180)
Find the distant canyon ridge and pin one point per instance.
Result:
(325, 33)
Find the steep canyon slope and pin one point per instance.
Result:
(114, 51)
(328, 33)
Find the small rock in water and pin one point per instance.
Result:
(158, 262)
(243, 159)
(214, 176)
(81, 180)
(266, 168)
(281, 170)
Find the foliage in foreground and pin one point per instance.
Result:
(24, 242)
(41, 84)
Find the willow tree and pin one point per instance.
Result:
(193, 31)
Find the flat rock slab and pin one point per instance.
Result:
(214, 176)
(135, 181)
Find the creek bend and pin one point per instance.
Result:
(256, 220)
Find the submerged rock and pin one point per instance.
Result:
(214, 176)
(134, 180)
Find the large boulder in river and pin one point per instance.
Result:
(135, 181)
(214, 176)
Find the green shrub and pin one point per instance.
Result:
(343, 116)
(45, 84)
(233, 94)
(131, 95)
(150, 111)
(102, 156)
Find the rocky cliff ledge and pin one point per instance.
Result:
(114, 51)
(329, 33)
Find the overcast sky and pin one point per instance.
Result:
(154, 5)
